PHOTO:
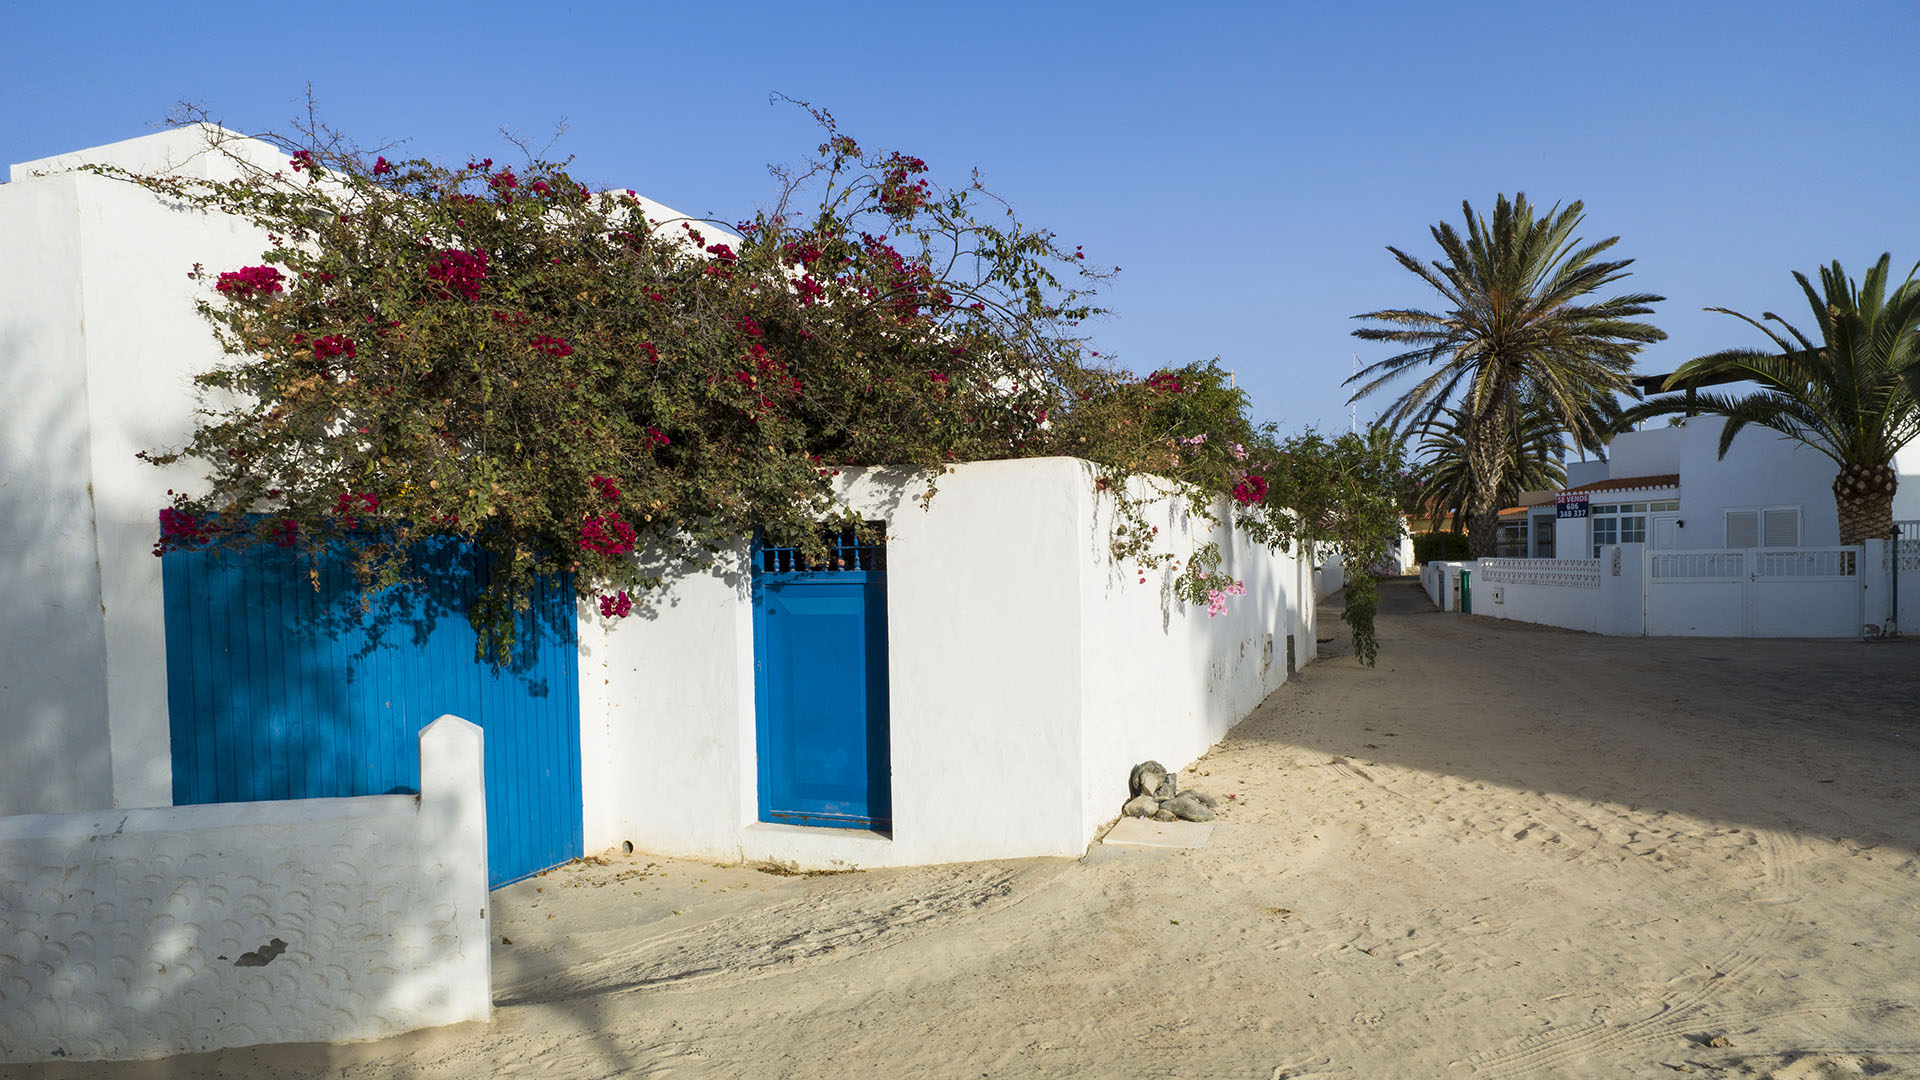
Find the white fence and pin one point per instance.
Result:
(1571, 573)
(1601, 596)
(1755, 592)
(1752, 592)
(1901, 565)
(139, 933)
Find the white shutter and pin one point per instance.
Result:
(1743, 528)
(1781, 527)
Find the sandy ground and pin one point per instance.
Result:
(1508, 851)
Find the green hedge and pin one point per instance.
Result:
(1444, 546)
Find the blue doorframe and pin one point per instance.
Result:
(820, 687)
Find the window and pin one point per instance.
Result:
(1764, 526)
(1606, 531)
(1510, 539)
(1780, 527)
(1621, 523)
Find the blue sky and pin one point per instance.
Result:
(1245, 164)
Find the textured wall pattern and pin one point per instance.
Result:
(147, 932)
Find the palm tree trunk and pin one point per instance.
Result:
(1486, 455)
(1863, 493)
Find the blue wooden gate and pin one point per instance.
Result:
(820, 686)
(281, 686)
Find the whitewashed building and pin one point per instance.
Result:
(1667, 537)
(1669, 488)
(1018, 658)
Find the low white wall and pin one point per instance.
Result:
(1027, 674)
(1893, 603)
(1554, 592)
(139, 933)
(1329, 577)
(1828, 592)
(1443, 583)
(1599, 596)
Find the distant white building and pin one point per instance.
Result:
(1670, 489)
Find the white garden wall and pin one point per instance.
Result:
(1821, 592)
(1164, 681)
(139, 933)
(1600, 596)
(1027, 675)
(98, 344)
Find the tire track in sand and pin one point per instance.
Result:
(757, 943)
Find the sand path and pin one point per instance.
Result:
(1508, 851)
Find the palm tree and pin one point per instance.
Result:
(1444, 483)
(1854, 396)
(1519, 330)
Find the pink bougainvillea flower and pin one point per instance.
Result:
(333, 345)
(249, 282)
(459, 272)
(607, 534)
(552, 346)
(180, 529)
(381, 167)
(657, 437)
(617, 606)
(605, 487)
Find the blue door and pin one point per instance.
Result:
(282, 685)
(820, 682)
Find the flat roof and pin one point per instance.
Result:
(1632, 483)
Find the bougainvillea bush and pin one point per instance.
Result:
(498, 353)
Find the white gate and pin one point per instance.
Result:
(1905, 558)
(1755, 592)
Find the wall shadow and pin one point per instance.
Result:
(1816, 737)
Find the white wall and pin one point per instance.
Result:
(1650, 451)
(1574, 607)
(1906, 500)
(1330, 576)
(1762, 468)
(1027, 675)
(98, 344)
(127, 934)
(1160, 680)
(1609, 602)
(53, 665)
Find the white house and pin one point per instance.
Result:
(1669, 488)
(1014, 673)
(1667, 537)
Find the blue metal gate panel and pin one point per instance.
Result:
(280, 686)
(820, 685)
